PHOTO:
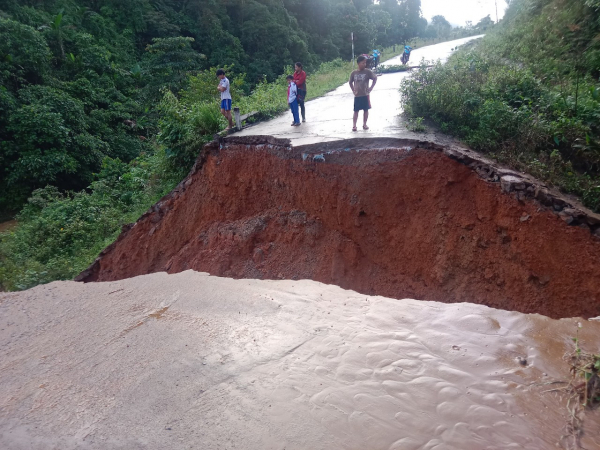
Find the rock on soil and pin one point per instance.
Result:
(388, 217)
(194, 361)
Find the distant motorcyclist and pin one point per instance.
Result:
(376, 56)
(406, 54)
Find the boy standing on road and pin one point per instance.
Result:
(223, 88)
(359, 83)
(293, 100)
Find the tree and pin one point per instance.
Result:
(169, 61)
(484, 23)
(441, 26)
(24, 54)
(379, 22)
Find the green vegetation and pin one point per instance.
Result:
(416, 124)
(527, 94)
(582, 392)
(392, 68)
(60, 234)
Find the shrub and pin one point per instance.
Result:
(505, 109)
(59, 234)
(392, 69)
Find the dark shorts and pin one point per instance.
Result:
(363, 103)
(226, 104)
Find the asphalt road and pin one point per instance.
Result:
(329, 118)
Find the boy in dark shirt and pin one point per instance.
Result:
(359, 83)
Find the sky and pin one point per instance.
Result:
(457, 12)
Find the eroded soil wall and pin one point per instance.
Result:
(398, 222)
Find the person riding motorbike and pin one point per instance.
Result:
(376, 57)
(406, 54)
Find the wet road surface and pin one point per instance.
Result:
(329, 118)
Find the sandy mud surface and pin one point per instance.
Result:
(190, 361)
(396, 218)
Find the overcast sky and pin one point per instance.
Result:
(457, 12)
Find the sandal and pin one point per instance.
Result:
(365, 127)
(353, 128)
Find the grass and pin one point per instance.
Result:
(58, 235)
(416, 124)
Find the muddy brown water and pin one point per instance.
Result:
(187, 360)
(399, 221)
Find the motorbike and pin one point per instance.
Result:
(405, 57)
(371, 61)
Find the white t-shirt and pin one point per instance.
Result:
(225, 95)
(292, 92)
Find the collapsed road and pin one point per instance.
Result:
(387, 217)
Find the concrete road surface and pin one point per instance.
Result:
(329, 118)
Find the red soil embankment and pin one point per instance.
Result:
(398, 222)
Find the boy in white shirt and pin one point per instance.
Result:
(223, 88)
(293, 100)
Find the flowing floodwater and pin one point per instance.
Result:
(330, 117)
(193, 361)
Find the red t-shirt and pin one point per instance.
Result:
(300, 79)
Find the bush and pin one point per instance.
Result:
(392, 69)
(59, 234)
(506, 110)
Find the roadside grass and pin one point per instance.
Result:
(582, 391)
(416, 124)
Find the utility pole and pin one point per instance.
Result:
(352, 39)
(496, 2)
